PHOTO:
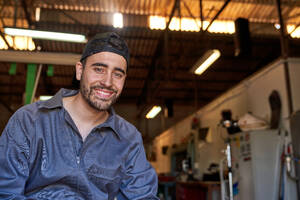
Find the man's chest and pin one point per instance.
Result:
(66, 160)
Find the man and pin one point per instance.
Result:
(74, 146)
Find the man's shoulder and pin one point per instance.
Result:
(22, 121)
(30, 112)
(127, 129)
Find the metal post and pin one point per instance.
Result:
(228, 154)
(36, 82)
(201, 14)
(284, 54)
(30, 79)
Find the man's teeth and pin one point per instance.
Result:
(104, 93)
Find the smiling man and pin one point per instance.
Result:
(74, 146)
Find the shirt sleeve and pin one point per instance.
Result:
(140, 181)
(14, 151)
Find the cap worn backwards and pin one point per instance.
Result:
(110, 42)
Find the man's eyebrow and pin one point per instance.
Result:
(99, 64)
(120, 70)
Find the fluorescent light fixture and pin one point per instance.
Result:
(37, 14)
(44, 98)
(118, 20)
(205, 61)
(153, 112)
(67, 37)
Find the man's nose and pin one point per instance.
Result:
(107, 80)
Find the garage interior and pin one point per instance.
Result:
(256, 58)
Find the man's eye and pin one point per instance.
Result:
(118, 75)
(99, 69)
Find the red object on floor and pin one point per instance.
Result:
(195, 190)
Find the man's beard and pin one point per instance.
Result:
(94, 101)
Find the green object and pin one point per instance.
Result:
(12, 69)
(50, 70)
(30, 79)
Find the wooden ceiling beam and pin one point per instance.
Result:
(27, 14)
(39, 57)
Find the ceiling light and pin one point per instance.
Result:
(191, 24)
(157, 22)
(67, 37)
(293, 30)
(205, 61)
(153, 112)
(18, 43)
(118, 20)
(37, 14)
(44, 98)
(175, 24)
(277, 26)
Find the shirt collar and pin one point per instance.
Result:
(56, 102)
(112, 122)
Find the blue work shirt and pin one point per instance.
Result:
(43, 156)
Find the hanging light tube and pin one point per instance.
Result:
(48, 35)
(205, 61)
(153, 112)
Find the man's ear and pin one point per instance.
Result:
(79, 70)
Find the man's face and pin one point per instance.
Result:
(102, 79)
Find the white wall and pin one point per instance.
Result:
(251, 95)
(294, 66)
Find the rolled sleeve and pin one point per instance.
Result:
(140, 181)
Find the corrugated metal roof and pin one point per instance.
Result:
(256, 10)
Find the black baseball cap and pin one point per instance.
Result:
(108, 41)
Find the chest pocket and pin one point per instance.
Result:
(106, 180)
